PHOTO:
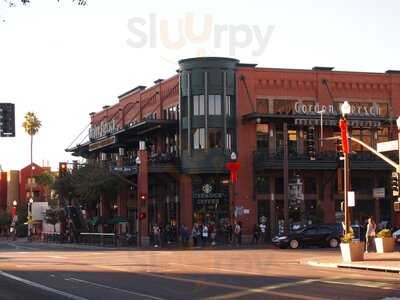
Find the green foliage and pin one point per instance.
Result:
(87, 184)
(384, 233)
(45, 179)
(348, 237)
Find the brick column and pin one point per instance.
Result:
(185, 201)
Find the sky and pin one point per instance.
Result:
(63, 61)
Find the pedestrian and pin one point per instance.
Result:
(256, 234)
(263, 232)
(195, 234)
(369, 234)
(213, 233)
(156, 234)
(205, 235)
(236, 233)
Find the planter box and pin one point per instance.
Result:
(353, 251)
(384, 245)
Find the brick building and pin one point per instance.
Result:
(192, 122)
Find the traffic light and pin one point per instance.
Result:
(395, 183)
(7, 119)
(310, 143)
(62, 169)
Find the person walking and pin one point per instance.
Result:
(205, 235)
(156, 234)
(237, 232)
(256, 234)
(263, 231)
(369, 234)
(195, 234)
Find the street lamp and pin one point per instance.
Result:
(30, 202)
(138, 209)
(345, 109)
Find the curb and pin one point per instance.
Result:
(353, 266)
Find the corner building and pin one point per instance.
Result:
(271, 119)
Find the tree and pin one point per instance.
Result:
(5, 220)
(45, 180)
(87, 185)
(31, 125)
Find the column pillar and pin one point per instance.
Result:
(185, 201)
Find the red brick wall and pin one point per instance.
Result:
(3, 190)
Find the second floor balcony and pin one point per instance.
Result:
(328, 160)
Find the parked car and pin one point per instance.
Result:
(314, 235)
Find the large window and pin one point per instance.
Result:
(363, 135)
(262, 106)
(229, 140)
(262, 184)
(228, 106)
(214, 105)
(262, 136)
(279, 185)
(383, 135)
(215, 138)
(285, 107)
(198, 105)
(199, 138)
(310, 185)
(292, 141)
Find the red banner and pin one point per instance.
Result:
(233, 167)
(343, 133)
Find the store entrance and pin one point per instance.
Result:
(215, 211)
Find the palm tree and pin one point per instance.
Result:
(31, 125)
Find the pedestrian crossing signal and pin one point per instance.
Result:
(62, 169)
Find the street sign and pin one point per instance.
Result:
(378, 193)
(388, 146)
(246, 211)
(351, 199)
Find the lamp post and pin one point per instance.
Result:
(30, 202)
(138, 214)
(233, 167)
(345, 109)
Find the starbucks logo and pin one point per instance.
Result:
(207, 188)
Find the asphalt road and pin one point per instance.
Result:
(40, 271)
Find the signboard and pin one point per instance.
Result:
(124, 169)
(239, 210)
(388, 146)
(246, 211)
(351, 199)
(102, 143)
(378, 193)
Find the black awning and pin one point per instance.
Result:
(313, 119)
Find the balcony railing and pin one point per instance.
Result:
(323, 160)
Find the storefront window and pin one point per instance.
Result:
(310, 185)
(215, 138)
(214, 105)
(364, 135)
(279, 185)
(262, 136)
(198, 138)
(355, 146)
(292, 141)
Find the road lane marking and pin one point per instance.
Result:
(55, 256)
(114, 288)
(41, 286)
(215, 284)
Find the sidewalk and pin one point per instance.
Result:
(384, 262)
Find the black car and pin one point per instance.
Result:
(315, 235)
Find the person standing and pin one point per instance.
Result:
(263, 230)
(369, 234)
(205, 235)
(256, 234)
